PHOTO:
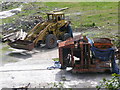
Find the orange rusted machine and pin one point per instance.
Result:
(78, 53)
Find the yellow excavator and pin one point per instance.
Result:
(47, 32)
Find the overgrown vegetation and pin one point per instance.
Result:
(59, 85)
(111, 84)
(80, 13)
(101, 17)
(95, 19)
(55, 59)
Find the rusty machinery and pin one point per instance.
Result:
(56, 27)
(78, 53)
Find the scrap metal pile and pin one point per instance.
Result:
(56, 27)
(85, 55)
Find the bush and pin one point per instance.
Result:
(111, 84)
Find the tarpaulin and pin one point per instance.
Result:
(105, 55)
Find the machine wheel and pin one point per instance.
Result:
(66, 36)
(39, 44)
(51, 41)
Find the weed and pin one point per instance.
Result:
(55, 59)
(111, 84)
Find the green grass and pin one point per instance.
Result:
(55, 59)
(5, 47)
(92, 12)
(11, 5)
(99, 13)
(102, 14)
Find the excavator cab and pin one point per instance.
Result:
(47, 32)
(56, 16)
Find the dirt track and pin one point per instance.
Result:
(31, 67)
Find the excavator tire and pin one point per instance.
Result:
(51, 41)
(66, 36)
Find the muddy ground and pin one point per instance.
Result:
(31, 67)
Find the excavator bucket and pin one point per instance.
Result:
(56, 27)
(22, 44)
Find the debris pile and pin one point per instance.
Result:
(85, 55)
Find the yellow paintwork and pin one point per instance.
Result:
(41, 30)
